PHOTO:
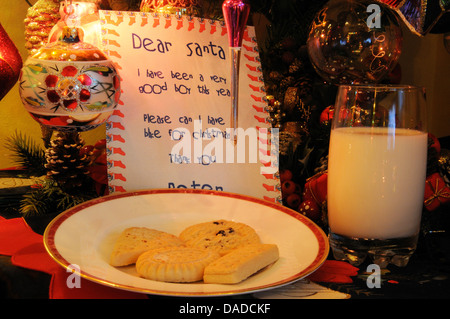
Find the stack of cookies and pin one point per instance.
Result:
(219, 251)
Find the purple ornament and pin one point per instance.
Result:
(235, 13)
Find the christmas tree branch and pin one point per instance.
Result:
(26, 153)
(49, 198)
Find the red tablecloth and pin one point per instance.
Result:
(27, 250)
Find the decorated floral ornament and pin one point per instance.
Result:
(69, 85)
(420, 15)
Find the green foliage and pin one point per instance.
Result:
(26, 153)
(48, 198)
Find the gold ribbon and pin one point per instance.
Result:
(438, 193)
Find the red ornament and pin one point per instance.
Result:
(310, 209)
(433, 143)
(327, 115)
(314, 197)
(10, 63)
(436, 192)
(316, 188)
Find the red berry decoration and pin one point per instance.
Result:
(293, 200)
(285, 175)
(287, 187)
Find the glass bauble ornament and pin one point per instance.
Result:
(353, 42)
(69, 85)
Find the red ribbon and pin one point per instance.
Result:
(27, 250)
(334, 271)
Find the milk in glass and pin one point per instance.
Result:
(373, 178)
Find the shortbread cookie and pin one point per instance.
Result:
(221, 235)
(175, 264)
(240, 264)
(134, 241)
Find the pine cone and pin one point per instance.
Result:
(65, 164)
(287, 82)
(296, 66)
(40, 19)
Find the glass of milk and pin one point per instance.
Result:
(376, 173)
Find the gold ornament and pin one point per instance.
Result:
(39, 21)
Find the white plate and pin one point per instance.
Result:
(83, 236)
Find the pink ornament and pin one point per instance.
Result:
(235, 13)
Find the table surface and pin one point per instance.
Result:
(427, 275)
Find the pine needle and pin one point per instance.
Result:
(26, 153)
(48, 198)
